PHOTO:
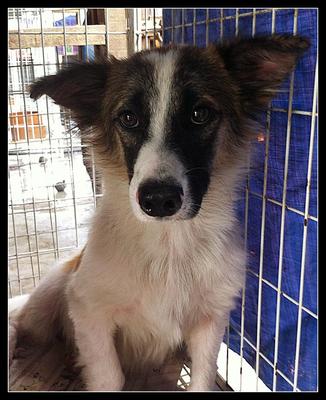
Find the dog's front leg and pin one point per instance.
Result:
(203, 344)
(94, 334)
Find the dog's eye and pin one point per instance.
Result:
(200, 115)
(128, 119)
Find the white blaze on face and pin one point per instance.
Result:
(154, 160)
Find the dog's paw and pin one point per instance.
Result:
(197, 388)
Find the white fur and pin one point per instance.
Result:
(164, 69)
(157, 282)
(154, 284)
(154, 161)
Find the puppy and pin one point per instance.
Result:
(164, 260)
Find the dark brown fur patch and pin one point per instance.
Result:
(259, 65)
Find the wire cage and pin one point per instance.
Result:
(271, 341)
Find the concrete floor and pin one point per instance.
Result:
(45, 224)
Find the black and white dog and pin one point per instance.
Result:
(164, 260)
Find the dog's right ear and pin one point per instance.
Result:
(259, 65)
(79, 87)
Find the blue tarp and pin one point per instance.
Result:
(295, 199)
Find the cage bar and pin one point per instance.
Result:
(27, 135)
(54, 238)
(305, 231)
(280, 265)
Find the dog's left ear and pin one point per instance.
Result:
(259, 65)
(80, 87)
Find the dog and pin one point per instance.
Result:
(164, 262)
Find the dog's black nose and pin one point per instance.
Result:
(160, 199)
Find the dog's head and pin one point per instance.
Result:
(166, 117)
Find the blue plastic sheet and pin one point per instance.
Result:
(295, 199)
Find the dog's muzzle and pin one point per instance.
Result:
(160, 199)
